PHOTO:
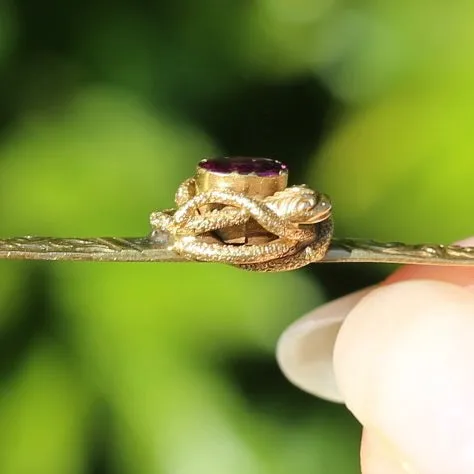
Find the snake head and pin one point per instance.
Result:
(300, 205)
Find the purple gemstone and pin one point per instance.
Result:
(265, 167)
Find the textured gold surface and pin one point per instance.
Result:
(113, 249)
(354, 250)
(296, 223)
(282, 231)
(100, 249)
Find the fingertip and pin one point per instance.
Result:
(401, 362)
(378, 456)
(460, 276)
(402, 357)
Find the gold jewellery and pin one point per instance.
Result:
(238, 211)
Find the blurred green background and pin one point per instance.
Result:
(105, 108)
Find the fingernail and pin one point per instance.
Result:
(305, 349)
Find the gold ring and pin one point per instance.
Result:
(238, 211)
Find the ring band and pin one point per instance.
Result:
(238, 211)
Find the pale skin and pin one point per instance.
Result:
(403, 363)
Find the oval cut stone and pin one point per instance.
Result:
(265, 167)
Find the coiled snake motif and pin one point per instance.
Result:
(298, 221)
